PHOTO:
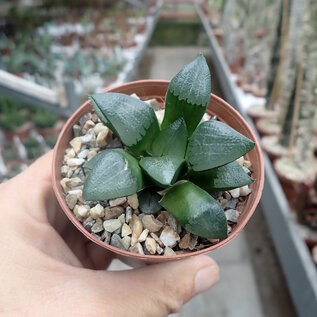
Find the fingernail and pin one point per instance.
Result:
(206, 278)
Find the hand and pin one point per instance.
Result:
(48, 268)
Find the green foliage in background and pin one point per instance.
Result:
(44, 119)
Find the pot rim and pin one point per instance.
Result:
(145, 257)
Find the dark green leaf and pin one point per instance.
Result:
(188, 94)
(225, 177)
(172, 140)
(131, 119)
(163, 170)
(215, 144)
(196, 210)
(149, 201)
(89, 165)
(116, 174)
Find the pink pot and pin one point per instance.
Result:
(147, 89)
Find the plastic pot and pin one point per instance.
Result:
(147, 89)
(258, 112)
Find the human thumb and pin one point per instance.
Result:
(160, 289)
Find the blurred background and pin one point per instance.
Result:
(263, 60)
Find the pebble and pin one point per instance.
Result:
(246, 170)
(97, 211)
(143, 235)
(159, 250)
(77, 130)
(92, 142)
(78, 192)
(77, 215)
(245, 191)
(96, 236)
(106, 236)
(232, 215)
(88, 125)
(184, 242)
(69, 154)
(75, 162)
(88, 223)
(157, 239)
(223, 203)
(76, 144)
(235, 193)
(122, 218)
(171, 221)
(162, 217)
(99, 127)
(150, 245)
(94, 117)
(153, 104)
(125, 230)
(63, 183)
(80, 174)
(160, 115)
(232, 203)
(117, 242)
(247, 164)
(240, 160)
(192, 242)
(87, 138)
(128, 214)
(84, 118)
(137, 248)
(137, 228)
(133, 201)
(83, 154)
(91, 154)
(169, 237)
(168, 251)
(112, 225)
(83, 210)
(102, 137)
(114, 212)
(227, 195)
(152, 224)
(134, 95)
(229, 229)
(97, 227)
(117, 202)
(74, 182)
(64, 170)
(126, 242)
(71, 201)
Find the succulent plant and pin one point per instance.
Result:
(44, 119)
(278, 54)
(184, 157)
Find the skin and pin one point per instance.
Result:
(48, 268)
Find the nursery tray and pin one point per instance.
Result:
(295, 259)
(49, 99)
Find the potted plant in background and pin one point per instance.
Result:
(148, 196)
(14, 119)
(45, 123)
(276, 67)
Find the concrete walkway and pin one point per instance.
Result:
(236, 295)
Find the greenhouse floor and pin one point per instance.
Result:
(251, 282)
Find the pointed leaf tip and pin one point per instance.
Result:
(130, 118)
(188, 94)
